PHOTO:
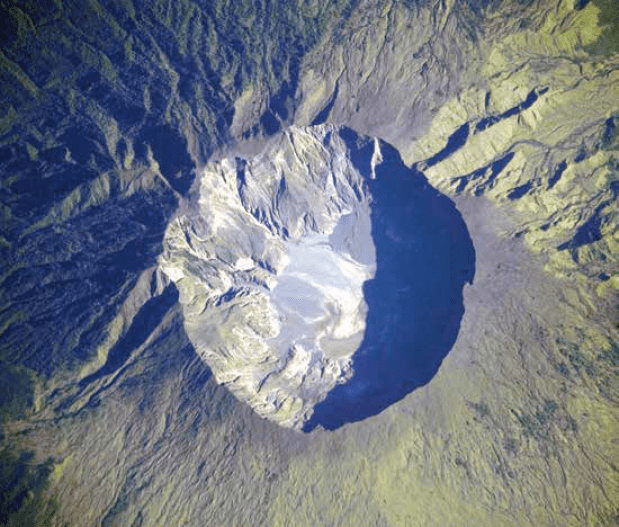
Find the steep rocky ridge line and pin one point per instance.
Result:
(323, 272)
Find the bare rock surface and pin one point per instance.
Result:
(284, 262)
(490, 401)
(270, 263)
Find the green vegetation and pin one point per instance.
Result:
(608, 43)
(602, 368)
(539, 424)
(22, 486)
(481, 409)
(16, 392)
(579, 362)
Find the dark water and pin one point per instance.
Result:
(424, 257)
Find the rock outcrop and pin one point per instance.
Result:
(270, 261)
(320, 271)
(111, 111)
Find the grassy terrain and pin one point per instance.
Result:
(109, 108)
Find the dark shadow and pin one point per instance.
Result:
(491, 120)
(581, 156)
(424, 257)
(557, 175)
(610, 132)
(588, 232)
(169, 149)
(496, 168)
(323, 115)
(71, 276)
(281, 103)
(23, 482)
(63, 291)
(456, 141)
(518, 192)
(143, 324)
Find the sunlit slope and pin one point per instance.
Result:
(519, 105)
(109, 108)
(540, 137)
(503, 435)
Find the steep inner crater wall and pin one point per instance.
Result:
(320, 280)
